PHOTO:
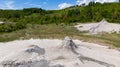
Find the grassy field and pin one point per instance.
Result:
(53, 31)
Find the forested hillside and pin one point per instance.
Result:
(17, 19)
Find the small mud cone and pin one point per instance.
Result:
(69, 44)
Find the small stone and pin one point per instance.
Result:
(36, 49)
(58, 65)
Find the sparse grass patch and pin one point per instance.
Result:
(53, 31)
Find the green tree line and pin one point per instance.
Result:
(94, 12)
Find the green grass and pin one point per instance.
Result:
(53, 31)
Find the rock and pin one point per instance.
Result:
(18, 61)
(60, 57)
(8, 63)
(41, 63)
(1, 22)
(58, 65)
(36, 49)
(36, 63)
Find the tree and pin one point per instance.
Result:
(29, 11)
